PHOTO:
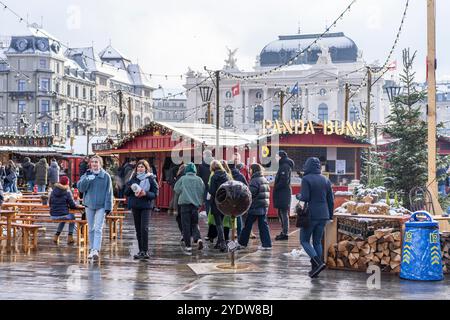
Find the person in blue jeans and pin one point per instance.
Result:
(260, 190)
(61, 200)
(96, 186)
(316, 191)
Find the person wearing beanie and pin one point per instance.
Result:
(61, 200)
(282, 193)
(190, 190)
(142, 190)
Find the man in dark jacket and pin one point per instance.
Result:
(238, 176)
(28, 173)
(317, 192)
(204, 172)
(282, 193)
(260, 190)
(83, 167)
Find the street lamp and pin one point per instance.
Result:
(206, 94)
(393, 92)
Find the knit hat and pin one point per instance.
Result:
(190, 168)
(282, 154)
(64, 180)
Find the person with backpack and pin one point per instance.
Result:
(53, 173)
(317, 194)
(190, 189)
(61, 200)
(142, 190)
(29, 173)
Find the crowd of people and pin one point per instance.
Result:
(195, 189)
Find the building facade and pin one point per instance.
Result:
(321, 74)
(169, 106)
(50, 91)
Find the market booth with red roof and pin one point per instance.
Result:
(167, 144)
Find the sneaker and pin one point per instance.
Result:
(282, 237)
(188, 250)
(56, 239)
(200, 245)
(264, 248)
(145, 256)
(91, 254)
(95, 255)
(240, 247)
(138, 256)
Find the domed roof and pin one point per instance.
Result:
(342, 49)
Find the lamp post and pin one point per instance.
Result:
(393, 92)
(206, 94)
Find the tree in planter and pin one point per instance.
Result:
(407, 159)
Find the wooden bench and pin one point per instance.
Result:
(115, 223)
(29, 234)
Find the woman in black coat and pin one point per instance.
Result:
(282, 193)
(218, 178)
(142, 190)
(317, 192)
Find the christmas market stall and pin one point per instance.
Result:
(166, 145)
(338, 146)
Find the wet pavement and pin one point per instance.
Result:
(60, 272)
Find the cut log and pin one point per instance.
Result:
(389, 238)
(396, 270)
(370, 256)
(397, 258)
(386, 253)
(355, 249)
(345, 253)
(398, 244)
(382, 232)
(350, 246)
(353, 258)
(385, 260)
(342, 246)
(394, 264)
(379, 254)
(364, 250)
(373, 247)
(331, 263)
(332, 251)
(372, 239)
(376, 259)
(397, 236)
(360, 244)
(339, 263)
(346, 263)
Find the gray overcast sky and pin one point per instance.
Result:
(170, 35)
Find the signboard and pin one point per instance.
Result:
(308, 127)
(340, 166)
(103, 146)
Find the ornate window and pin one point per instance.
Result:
(229, 117)
(259, 95)
(322, 113)
(296, 113)
(228, 95)
(276, 113)
(258, 114)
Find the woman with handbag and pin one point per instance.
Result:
(317, 194)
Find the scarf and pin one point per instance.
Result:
(145, 183)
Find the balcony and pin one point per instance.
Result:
(22, 95)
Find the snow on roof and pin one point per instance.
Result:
(169, 94)
(138, 77)
(111, 53)
(37, 31)
(206, 133)
(80, 144)
(300, 44)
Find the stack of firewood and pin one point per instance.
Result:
(445, 241)
(383, 248)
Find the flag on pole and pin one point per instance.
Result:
(294, 90)
(393, 66)
(236, 90)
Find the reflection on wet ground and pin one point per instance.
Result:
(60, 272)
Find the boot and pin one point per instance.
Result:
(56, 239)
(282, 237)
(70, 239)
(317, 266)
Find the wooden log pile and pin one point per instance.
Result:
(383, 248)
(445, 243)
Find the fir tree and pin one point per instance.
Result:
(407, 159)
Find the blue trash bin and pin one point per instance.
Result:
(421, 254)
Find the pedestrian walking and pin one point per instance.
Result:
(96, 186)
(282, 193)
(190, 189)
(12, 174)
(218, 178)
(180, 173)
(317, 193)
(61, 200)
(238, 175)
(2, 174)
(260, 190)
(204, 172)
(142, 190)
(83, 166)
(41, 174)
(29, 173)
(53, 173)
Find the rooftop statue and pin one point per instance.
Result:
(230, 63)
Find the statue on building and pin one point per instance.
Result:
(324, 56)
(230, 63)
(190, 73)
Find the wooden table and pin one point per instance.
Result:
(24, 206)
(9, 214)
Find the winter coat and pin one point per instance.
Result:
(53, 173)
(144, 203)
(259, 187)
(2, 198)
(316, 190)
(190, 190)
(204, 172)
(28, 171)
(238, 176)
(11, 174)
(282, 191)
(217, 179)
(97, 193)
(41, 173)
(61, 200)
(83, 167)
(2, 173)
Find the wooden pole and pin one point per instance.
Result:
(217, 74)
(431, 110)
(120, 113)
(233, 235)
(281, 105)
